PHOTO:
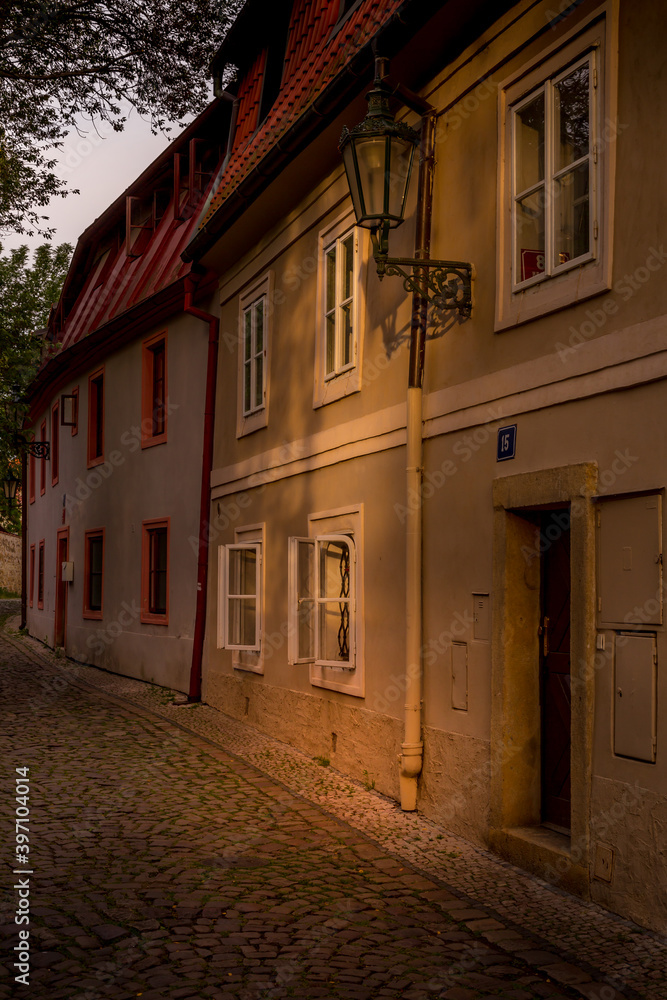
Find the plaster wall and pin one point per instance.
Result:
(132, 485)
(584, 385)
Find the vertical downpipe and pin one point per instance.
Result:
(24, 537)
(194, 693)
(411, 758)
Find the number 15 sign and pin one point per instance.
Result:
(506, 443)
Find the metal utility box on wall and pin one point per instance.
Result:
(68, 572)
(630, 561)
(635, 696)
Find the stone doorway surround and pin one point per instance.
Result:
(515, 822)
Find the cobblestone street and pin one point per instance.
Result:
(172, 859)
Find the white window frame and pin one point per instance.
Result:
(590, 274)
(345, 378)
(318, 599)
(552, 175)
(245, 657)
(340, 524)
(256, 417)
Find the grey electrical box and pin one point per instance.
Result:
(635, 696)
(67, 572)
(481, 609)
(460, 675)
(630, 566)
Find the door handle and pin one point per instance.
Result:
(543, 630)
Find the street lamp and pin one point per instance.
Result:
(9, 484)
(378, 155)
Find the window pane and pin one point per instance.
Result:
(331, 344)
(529, 140)
(572, 117)
(571, 215)
(346, 324)
(529, 236)
(157, 590)
(334, 631)
(242, 615)
(334, 569)
(347, 251)
(331, 279)
(259, 380)
(242, 571)
(96, 555)
(305, 595)
(259, 326)
(247, 374)
(247, 334)
(95, 601)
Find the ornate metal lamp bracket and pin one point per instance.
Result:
(447, 284)
(38, 449)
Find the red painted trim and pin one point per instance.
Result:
(40, 573)
(55, 443)
(32, 476)
(95, 455)
(42, 462)
(61, 533)
(87, 612)
(148, 438)
(204, 497)
(32, 574)
(146, 616)
(75, 427)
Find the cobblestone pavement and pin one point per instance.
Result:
(178, 854)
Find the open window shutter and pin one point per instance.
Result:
(301, 587)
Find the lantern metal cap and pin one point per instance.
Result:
(379, 120)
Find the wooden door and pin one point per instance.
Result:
(555, 669)
(62, 548)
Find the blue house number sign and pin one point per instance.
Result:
(506, 443)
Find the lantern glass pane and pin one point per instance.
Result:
(399, 176)
(352, 179)
(371, 157)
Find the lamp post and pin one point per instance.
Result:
(378, 155)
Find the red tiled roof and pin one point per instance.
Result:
(97, 293)
(315, 56)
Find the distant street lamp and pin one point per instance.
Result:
(378, 154)
(9, 484)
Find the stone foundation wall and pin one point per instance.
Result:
(10, 562)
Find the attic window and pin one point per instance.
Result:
(139, 223)
(193, 172)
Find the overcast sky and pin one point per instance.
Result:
(101, 164)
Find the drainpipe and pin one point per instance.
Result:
(24, 538)
(194, 694)
(411, 757)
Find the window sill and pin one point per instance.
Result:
(150, 442)
(147, 619)
(92, 462)
(253, 422)
(337, 388)
(92, 615)
(551, 295)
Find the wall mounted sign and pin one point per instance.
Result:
(506, 443)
